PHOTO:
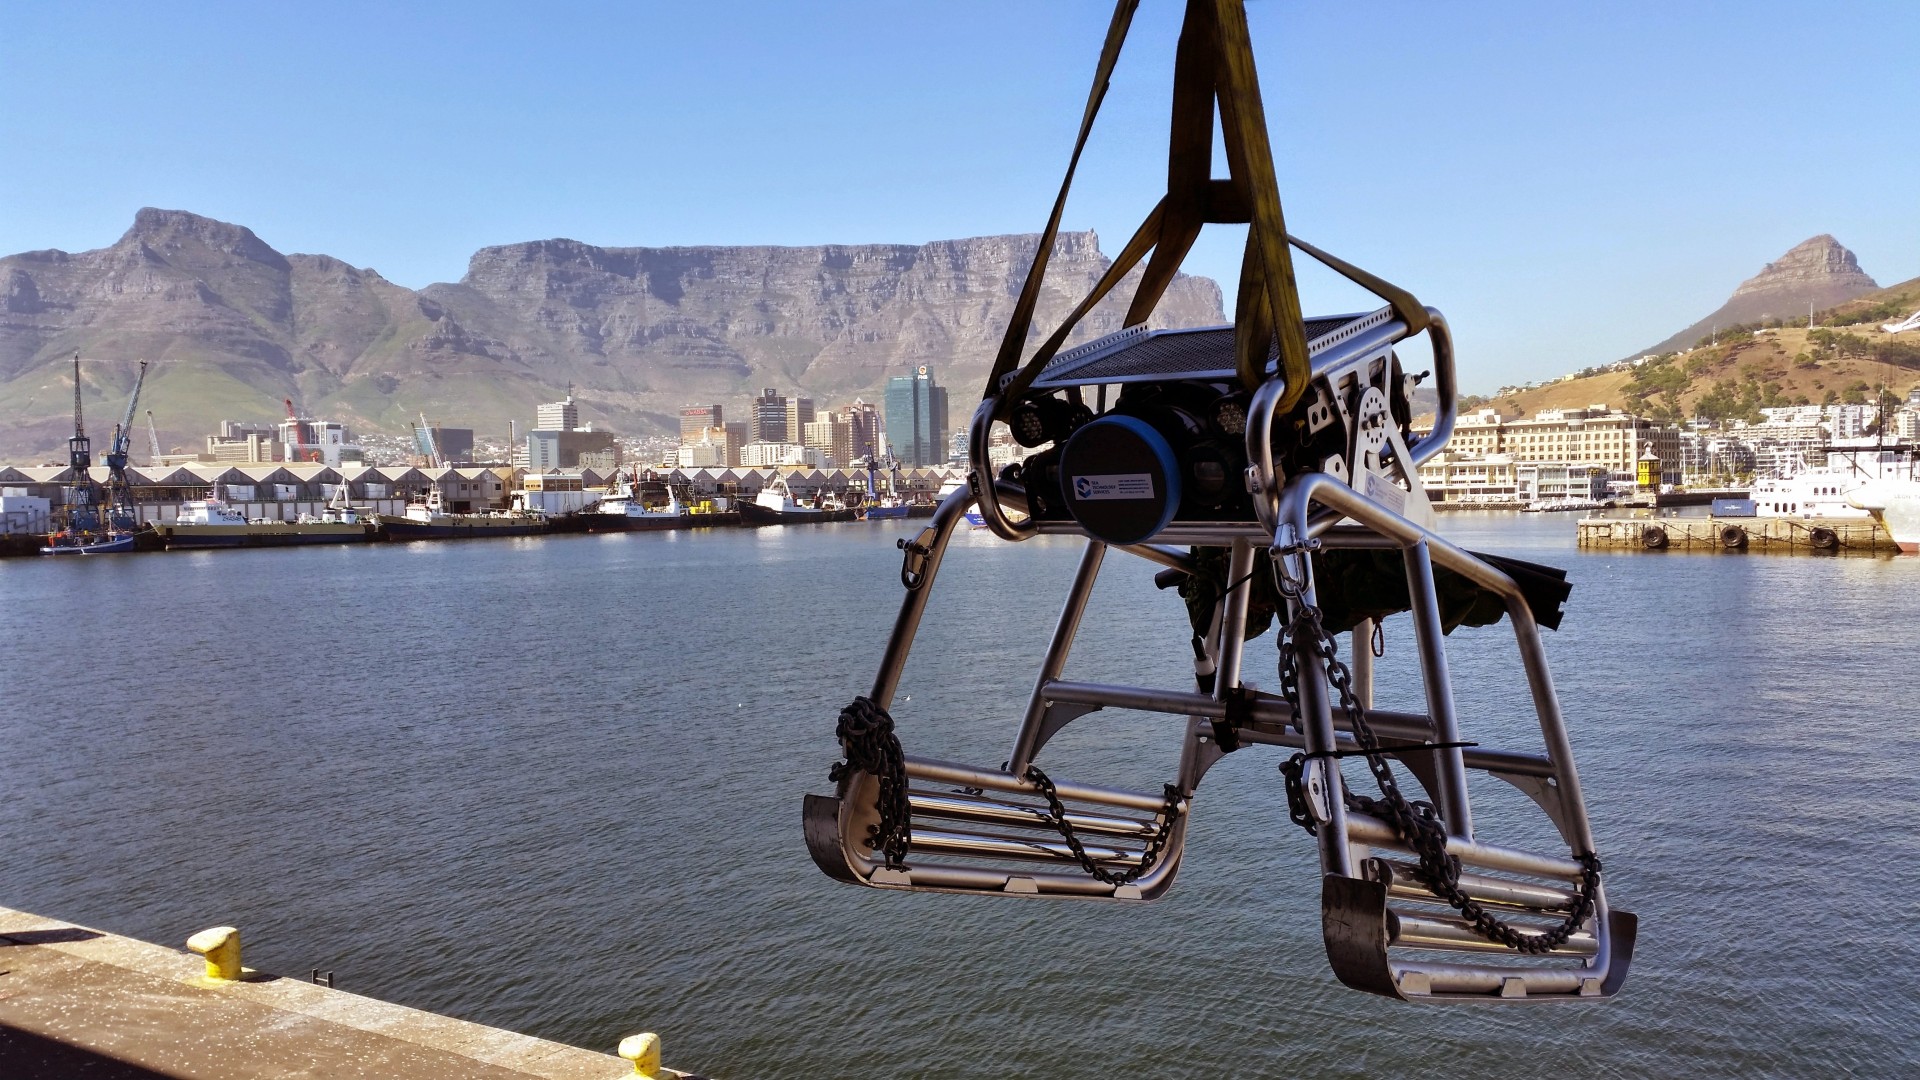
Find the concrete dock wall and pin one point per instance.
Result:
(1791, 536)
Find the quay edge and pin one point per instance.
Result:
(84, 1002)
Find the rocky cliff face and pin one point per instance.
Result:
(1818, 273)
(233, 326)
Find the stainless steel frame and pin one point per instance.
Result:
(988, 830)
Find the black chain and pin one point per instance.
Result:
(1169, 811)
(866, 737)
(1416, 823)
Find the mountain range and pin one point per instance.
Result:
(232, 326)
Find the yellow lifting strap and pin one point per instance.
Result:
(1213, 66)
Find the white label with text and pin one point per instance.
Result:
(1113, 486)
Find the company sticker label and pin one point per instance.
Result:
(1385, 492)
(1113, 486)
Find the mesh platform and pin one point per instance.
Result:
(1137, 354)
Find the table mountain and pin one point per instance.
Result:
(233, 326)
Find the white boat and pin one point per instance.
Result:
(1540, 506)
(775, 505)
(213, 523)
(635, 505)
(427, 519)
(1893, 503)
(1818, 494)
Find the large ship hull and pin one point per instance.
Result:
(599, 523)
(755, 514)
(460, 527)
(263, 534)
(883, 513)
(1895, 506)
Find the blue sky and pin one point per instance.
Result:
(1568, 182)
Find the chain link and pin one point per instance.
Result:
(1417, 824)
(866, 737)
(1169, 813)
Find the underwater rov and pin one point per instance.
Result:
(1271, 469)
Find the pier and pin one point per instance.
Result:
(76, 1001)
(1734, 535)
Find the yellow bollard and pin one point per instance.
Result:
(221, 947)
(644, 1051)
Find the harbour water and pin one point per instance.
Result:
(554, 785)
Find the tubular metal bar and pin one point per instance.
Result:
(1014, 497)
(1233, 626)
(1329, 491)
(1404, 883)
(1027, 743)
(984, 846)
(1439, 931)
(1274, 713)
(947, 772)
(1374, 832)
(979, 811)
(1444, 385)
(1336, 857)
(1456, 980)
(892, 662)
(1498, 761)
(1360, 645)
(980, 475)
(1430, 639)
(1272, 710)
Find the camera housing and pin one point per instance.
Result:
(1172, 448)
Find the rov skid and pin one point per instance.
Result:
(1270, 470)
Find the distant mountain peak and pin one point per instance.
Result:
(164, 231)
(1818, 262)
(1818, 272)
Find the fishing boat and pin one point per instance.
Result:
(427, 519)
(637, 504)
(214, 523)
(884, 505)
(66, 542)
(775, 505)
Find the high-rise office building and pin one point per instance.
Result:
(799, 415)
(831, 435)
(917, 419)
(558, 415)
(767, 417)
(695, 419)
(863, 430)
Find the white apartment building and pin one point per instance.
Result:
(1596, 436)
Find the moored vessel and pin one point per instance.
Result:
(775, 505)
(1894, 503)
(638, 504)
(427, 519)
(213, 523)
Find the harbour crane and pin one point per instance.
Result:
(423, 437)
(153, 442)
(119, 492)
(299, 437)
(81, 512)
